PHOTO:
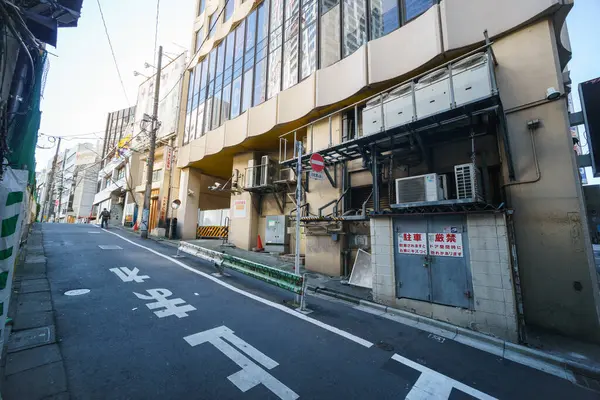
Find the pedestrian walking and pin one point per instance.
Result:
(104, 216)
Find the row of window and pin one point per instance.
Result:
(279, 44)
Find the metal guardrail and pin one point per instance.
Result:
(274, 276)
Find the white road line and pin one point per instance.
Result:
(433, 385)
(280, 307)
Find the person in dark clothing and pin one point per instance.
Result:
(104, 216)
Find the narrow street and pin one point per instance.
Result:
(154, 327)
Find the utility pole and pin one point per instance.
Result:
(299, 299)
(150, 168)
(51, 182)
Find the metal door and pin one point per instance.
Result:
(412, 270)
(450, 272)
(431, 259)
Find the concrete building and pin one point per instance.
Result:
(121, 182)
(114, 176)
(471, 91)
(168, 116)
(75, 182)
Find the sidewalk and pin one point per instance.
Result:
(31, 360)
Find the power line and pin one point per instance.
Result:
(113, 53)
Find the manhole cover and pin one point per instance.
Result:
(77, 292)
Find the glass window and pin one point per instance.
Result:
(385, 17)
(274, 73)
(275, 48)
(199, 39)
(290, 45)
(216, 113)
(414, 8)
(309, 38)
(238, 54)
(229, 9)
(226, 103)
(354, 26)
(201, 6)
(330, 32)
(236, 93)
(212, 26)
(247, 90)
(200, 123)
(260, 81)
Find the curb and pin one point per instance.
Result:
(546, 362)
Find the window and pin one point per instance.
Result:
(238, 67)
(275, 48)
(249, 61)
(385, 17)
(216, 112)
(121, 173)
(201, 6)
(212, 26)
(203, 73)
(309, 38)
(188, 116)
(290, 45)
(260, 69)
(229, 9)
(414, 8)
(354, 26)
(210, 87)
(199, 39)
(157, 175)
(330, 32)
(227, 76)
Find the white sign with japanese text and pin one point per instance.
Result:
(412, 243)
(317, 176)
(239, 209)
(446, 244)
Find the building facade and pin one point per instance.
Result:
(444, 130)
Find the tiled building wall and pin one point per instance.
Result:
(493, 293)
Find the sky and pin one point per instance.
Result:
(82, 85)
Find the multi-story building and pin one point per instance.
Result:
(444, 130)
(75, 182)
(121, 182)
(114, 178)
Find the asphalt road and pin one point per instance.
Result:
(233, 337)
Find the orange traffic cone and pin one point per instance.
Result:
(259, 245)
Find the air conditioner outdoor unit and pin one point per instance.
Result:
(432, 93)
(267, 171)
(251, 172)
(468, 182)
(287, 175)
(398, 107)
(422, 188)
(471, 79)
(371, 116)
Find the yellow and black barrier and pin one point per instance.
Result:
(212, 232)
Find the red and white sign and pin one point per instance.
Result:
(168, 156)
(412, 243)
(317, 162)
(446, 244)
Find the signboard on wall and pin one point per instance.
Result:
(446, 244)
(239, 209)
(412, 243)
(168, 157)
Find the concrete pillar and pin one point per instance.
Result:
(189, 192)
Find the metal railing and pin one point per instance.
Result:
(274, 276)
(293, 135)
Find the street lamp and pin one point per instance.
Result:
(135, 73)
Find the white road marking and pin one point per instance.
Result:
(129, 275)
(110, 247)
(251, 374)
(175, 307)
(134, 308)
(280, 307)
(433, 385)
(77, 292)
(94, 232)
